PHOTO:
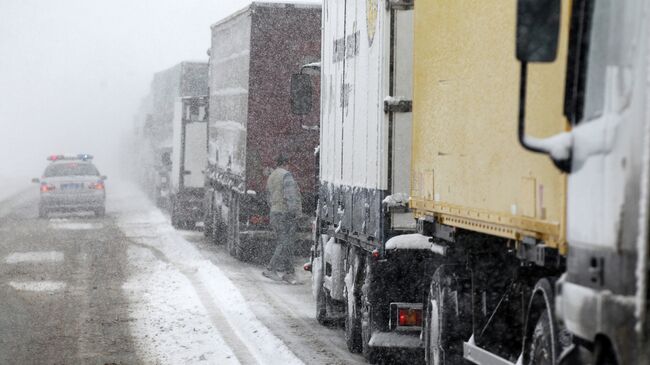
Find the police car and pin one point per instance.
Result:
(71, 183)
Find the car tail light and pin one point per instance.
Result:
(258, 219)
(45, 188)
(97, 186)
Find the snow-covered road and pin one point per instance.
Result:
(191, 302)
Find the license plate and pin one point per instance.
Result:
(70, 186)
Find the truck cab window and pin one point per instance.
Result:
(611, 53)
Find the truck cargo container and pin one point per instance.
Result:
(253, 56)
(496, 211)
(184, 79)
(365, 147)
(190, 145)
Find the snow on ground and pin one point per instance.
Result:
(184, 301)
(11, 185)
(171, 326)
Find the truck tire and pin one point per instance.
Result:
(100, 212)
(368, 322)
(218, 230)
(173, 213)
(321, 307)
(540, 351)
(445, 329)
(545, 339)
(233, 244)
(208, 228)
(352, 308)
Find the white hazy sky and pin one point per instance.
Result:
(72, 72)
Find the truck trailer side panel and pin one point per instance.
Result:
(359, 72)
(469, 169)
(283, 39)
(229, 82)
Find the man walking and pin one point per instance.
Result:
(286, 206)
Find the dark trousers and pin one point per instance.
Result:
(284, 226)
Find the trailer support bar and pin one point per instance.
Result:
(479, 356)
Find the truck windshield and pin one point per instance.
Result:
(71, 169)
(611, 50)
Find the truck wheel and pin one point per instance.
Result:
(234, 247)
(321, 307)
(208, 228)
(444, 330)
(100, 212)
(218, 231)
(368, 324)
(352, 319)
(543, 343)
(173, 212)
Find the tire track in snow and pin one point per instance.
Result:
(216, 316)
(139, 220)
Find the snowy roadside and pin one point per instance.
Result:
(185, 309)
(11, 185)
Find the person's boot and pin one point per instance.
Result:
(290, 278)
(272, 274)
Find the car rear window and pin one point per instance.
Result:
(71, 169)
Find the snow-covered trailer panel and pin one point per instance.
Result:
(254, 53)
(284, 37)
(184, 79)
(229, 82)
(189, 142)
(365, 141)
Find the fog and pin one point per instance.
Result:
(72, 72)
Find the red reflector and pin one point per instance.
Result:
(258, 219)
(307, 266)
(409, 317)
(375, 254)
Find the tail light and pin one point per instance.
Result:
(409, 317)
(258, 219)
(406, 316)
(96, 186)
(46, 188)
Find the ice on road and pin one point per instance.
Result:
(185, 309)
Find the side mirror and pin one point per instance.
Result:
(104, 177)
(301, 94)
(538, 28)
(538, 32)
(36, 180)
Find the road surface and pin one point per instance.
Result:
(129, 289)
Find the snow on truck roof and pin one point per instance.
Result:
(255, 4)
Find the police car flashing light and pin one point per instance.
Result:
(81, 156)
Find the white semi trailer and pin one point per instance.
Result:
(190, 146)
(366, 83)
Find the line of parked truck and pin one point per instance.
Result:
(476, 173)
